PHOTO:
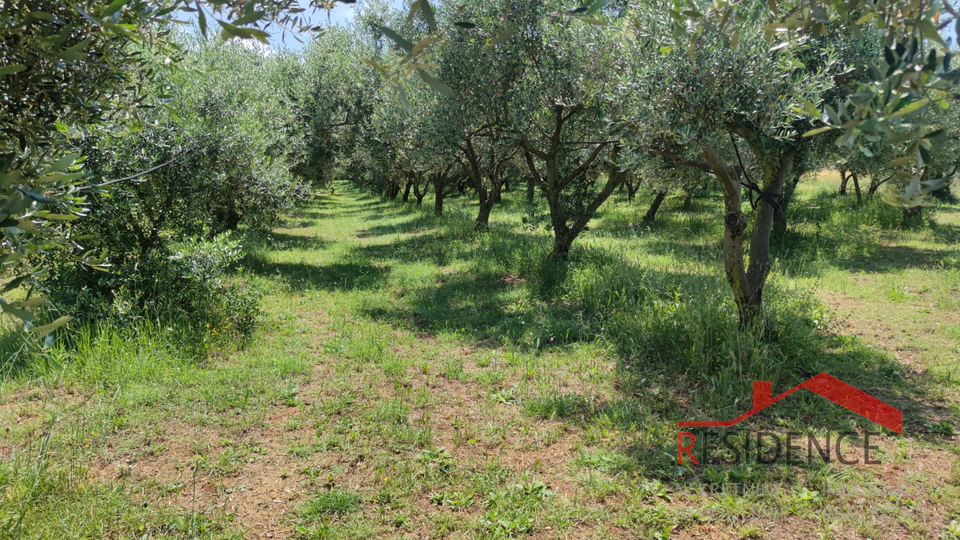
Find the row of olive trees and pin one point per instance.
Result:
(585, 101)
(555, 85)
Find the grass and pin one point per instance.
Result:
(413, 379)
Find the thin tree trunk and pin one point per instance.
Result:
(531, 188)
(416, 178)
(553, 184)
(759, 267)
(734, 224)
(632, 188)
(747, 284)
(440, 189)
(438, 203)
(483, 213)
(780, 218)
(406, 192)
(856, 186)
(843, 182)
(651, 214)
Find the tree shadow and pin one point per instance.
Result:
(331, 277)
(946, 233)
(285, 242)
(416, 223)
(546, 307)
(433, 247)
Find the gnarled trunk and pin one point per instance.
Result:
(487, 195)
(564, 233)
(393, 190)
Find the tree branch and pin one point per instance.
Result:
(680, 160)
(583, 166)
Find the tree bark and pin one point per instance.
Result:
(759, 267)
(651, 214)
(734, 224)
(856, 187)
(843, 182)
(912, 216)
(747, 284)
(780, 218)
(416, 179)
(441, 189)
(438, 203)
(406, 192)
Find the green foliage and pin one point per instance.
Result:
(170, 236)
(510, 512)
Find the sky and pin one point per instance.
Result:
(341, 14)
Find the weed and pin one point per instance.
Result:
(329, 503)
(567, 407)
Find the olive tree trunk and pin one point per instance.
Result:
(651, 214)
(748, 282)
(567, 228)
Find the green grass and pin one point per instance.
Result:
(411, 378)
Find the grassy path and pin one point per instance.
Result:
(411, 381)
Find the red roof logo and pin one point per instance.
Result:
(826, 386)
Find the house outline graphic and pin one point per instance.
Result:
(826, 386)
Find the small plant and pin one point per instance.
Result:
(942, 428)
(506, 395)
(454, 500)
(951, 532)
(567, 407)
(896, 294)
(652, 490)
(750, 532)
(331, 503)
(714, 475)
(664, 534)
(300, 451)
(437, 461)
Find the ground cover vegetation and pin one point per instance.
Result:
(228, 312)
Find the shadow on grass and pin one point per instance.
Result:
(416, 223)
(331, 277)
(283, 242)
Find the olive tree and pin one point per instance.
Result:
(569, 105)
(719, 98)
